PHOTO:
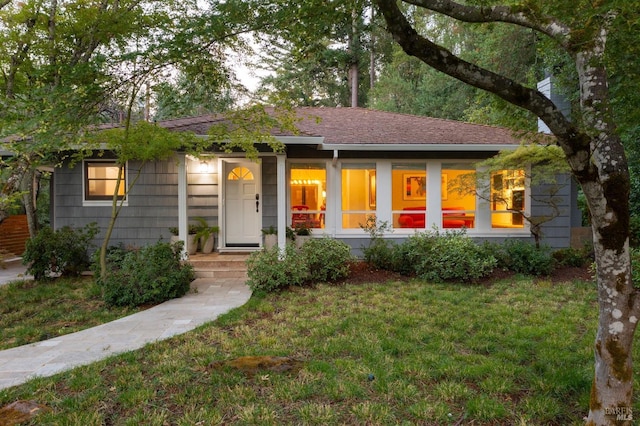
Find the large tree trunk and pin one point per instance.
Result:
(597, 159)
(607, 194)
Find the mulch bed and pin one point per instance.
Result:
(362, 272)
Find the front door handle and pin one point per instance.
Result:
(257, 203)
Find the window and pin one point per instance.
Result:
(308, 195)
(240, 173)
(359, 194)
(409, 195)
(507, 199)
(458, 195)
(101, 178)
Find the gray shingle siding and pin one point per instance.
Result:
(202, 195)
(152, 205)
(557, 232)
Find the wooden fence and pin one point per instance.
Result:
(14, 234)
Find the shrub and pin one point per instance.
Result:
(151, 274)
(268, 272)
(573, 257)
(63, 252)
(524, 258)
(327, 259)
(449, 256)
(380, 252)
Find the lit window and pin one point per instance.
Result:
(240, 173)
(507, 199)
(409, 195)
(101, 178)
(458, 196)
(308, 195)
(358, 194)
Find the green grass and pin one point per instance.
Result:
(516, 352)
(32, 311)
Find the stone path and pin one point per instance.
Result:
(211, 298)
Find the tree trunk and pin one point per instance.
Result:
(607, 193)
(27, 186)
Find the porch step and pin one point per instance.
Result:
(218, 265)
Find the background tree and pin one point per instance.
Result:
(318, 52)
(53, 56)
(408, 85)
(582, 33)
(67, 64)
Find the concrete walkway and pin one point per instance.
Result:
(211, 298)
(13, 270)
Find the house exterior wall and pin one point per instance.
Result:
(153, 206)
(203, 192)
(557, 232)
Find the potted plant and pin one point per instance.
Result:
(192, 240)
(174, 233)
(270, 237)
(302, 234)
(206, 235)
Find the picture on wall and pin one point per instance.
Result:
(415, 186)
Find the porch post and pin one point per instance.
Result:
(281, 172)
(182, 202)
(434, 195)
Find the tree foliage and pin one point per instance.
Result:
(545, 169)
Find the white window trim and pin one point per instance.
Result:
(434, 204)
(102, 203)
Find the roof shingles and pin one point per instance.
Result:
(365, 126)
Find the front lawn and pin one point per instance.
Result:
(517, 351)
(31, 311)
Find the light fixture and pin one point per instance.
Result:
(204, 167)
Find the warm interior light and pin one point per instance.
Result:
(204, 167)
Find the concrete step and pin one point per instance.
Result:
(217, 265)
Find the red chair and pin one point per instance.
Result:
(299, 219)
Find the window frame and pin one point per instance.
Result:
(322, 165)
(371, 202)
(101, 200)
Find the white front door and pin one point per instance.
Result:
(243, 203)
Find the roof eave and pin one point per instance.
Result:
(415, 147)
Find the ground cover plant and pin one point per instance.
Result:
(516, 351)
(31, 311)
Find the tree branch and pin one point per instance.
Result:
(445, 61)
(508, 14)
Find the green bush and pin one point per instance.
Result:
(380, 252)
(524, 258)
(327, 259)
(268, 272)
(573, 257)
(437, 257)
(151, 274)
(63, 252)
